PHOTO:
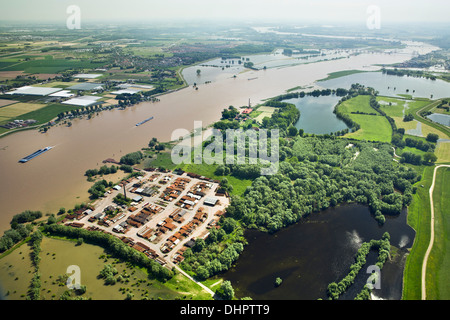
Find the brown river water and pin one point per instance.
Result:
(56, 178)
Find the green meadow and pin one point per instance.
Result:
(373, 126)
(357, 104)
(438, 268)
(391, 106)
(419, 220)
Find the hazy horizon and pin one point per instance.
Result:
(290, 11)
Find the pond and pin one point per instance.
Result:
(389, 85)
(440, 118)
(309, 255)
(316, 114)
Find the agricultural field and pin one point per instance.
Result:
(20, 110)
(44, 64)
(6, 102)
(42, 115)
(15, 110)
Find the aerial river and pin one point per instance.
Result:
(56, 178)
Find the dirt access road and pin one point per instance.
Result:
(430, 246)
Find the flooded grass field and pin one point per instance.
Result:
(57, 255)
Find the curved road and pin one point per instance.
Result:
(430, 245)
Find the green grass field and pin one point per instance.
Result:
(357, 104)
(373, 128)
(239, 185)
(163, 159)
(443, 152)
(412, 150)
(438, 268)
(419, 220)
(393, 110)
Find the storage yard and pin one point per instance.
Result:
(167, 212)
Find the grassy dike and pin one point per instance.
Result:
(419, 220)
(438, 268)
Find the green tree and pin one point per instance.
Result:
(51, 219)
(226, 290)
(429, 157)
(292, 131)
(278, 281)
(432, 137)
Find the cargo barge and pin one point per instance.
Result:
(34, 154)
(144, 121)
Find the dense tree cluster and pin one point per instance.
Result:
(211, 256)
(19, 229)
(323, 172)
(432, 137)
(419, 144)
(284, 117)
(35, 285)
(409, 73)
(98, 189)
(25, 216)
(102, 171)
(132, 158)
(408, 117)
(108, 274)
(230, 113)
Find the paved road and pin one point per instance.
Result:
(430, 245)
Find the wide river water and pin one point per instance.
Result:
(56, 178)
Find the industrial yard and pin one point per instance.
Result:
(167, 213)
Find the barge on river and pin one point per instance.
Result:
(144, 121)
(34, 154)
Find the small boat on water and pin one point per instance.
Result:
(144, 121)
(34, 154)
